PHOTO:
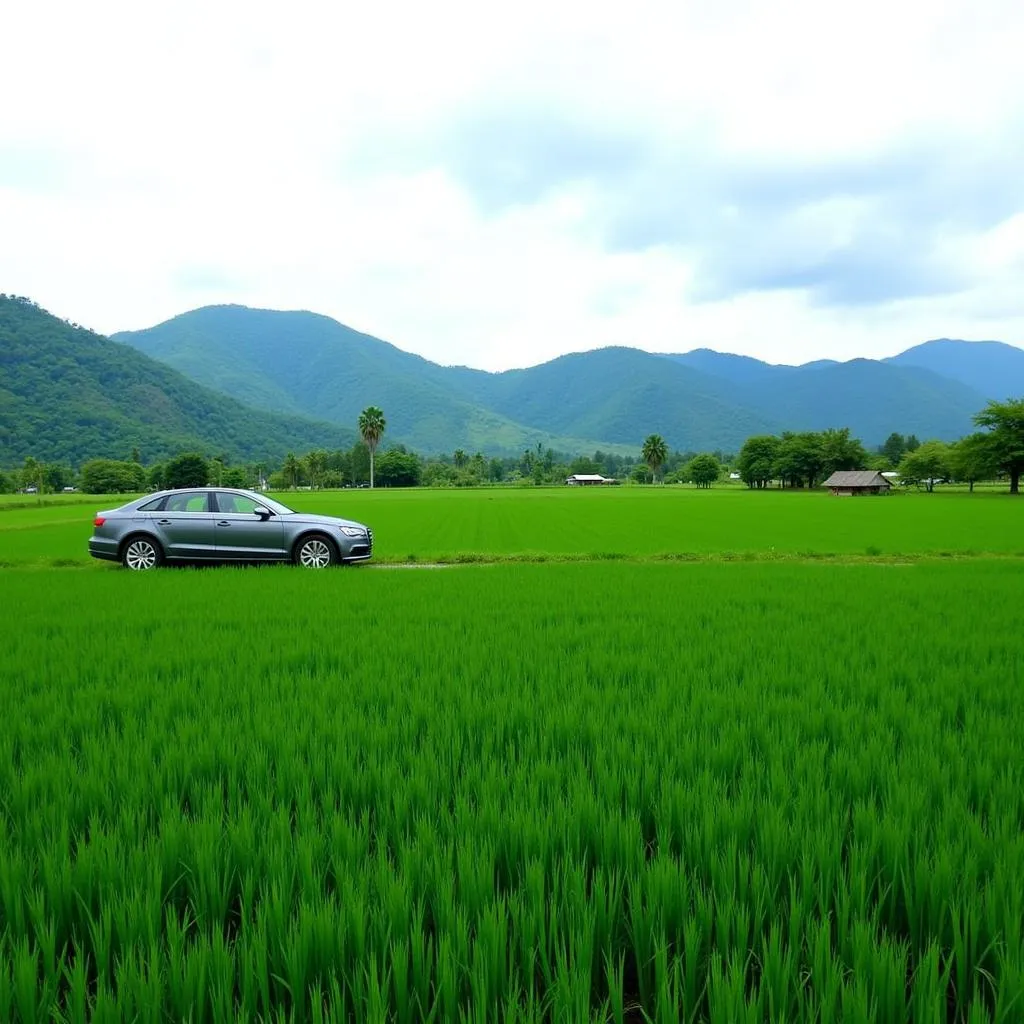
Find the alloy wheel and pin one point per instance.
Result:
(139, 555)
(315, 554)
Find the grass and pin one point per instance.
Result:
(598, 792)
(487, 524)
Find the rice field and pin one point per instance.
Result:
(523, 792)
(662, 522)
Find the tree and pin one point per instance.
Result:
(460, 458)
(704, 470)
(799, 459)
(316, 460)
(371, 429)
(893, 449)
(1005, 422)
(136, 456)
(654, 452)
(189, 469)
(839, 451)
(32, 473)
(398, 468)
(926, 464)
(108, 476)
(56, 477)
(291, 469)
(973, 458)
(358, 463)
(757, 458)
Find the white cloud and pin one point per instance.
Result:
(789, 180)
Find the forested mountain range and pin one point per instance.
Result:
(304, 363)
(67, 394)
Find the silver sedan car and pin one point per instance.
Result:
(214, 524)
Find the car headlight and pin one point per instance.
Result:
(353, 531)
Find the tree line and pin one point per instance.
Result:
(789, 460)
(804, 459)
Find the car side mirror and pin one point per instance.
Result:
(263, 512)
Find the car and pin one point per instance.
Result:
(223, 524)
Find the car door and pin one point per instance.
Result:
(242, 534)
(185, 525)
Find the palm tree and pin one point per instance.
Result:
(316, 460)
(291, 469)
(654, 453)
(371, 427)
(459, 458)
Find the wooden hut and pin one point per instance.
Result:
(847, 483)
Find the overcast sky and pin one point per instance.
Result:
(496, 185)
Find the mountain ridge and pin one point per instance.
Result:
(299, 361)
(68, 394)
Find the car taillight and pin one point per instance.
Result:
(98, 521)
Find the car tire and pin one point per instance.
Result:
(140, 553)
(315, 551)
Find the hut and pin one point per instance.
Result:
(848, 483)
(587, 480)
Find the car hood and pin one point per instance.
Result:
(315, 520)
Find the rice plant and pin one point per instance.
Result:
(602, 792)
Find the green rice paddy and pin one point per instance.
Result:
(628, 522)
(779, 790)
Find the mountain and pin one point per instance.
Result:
(869, 397)
(620, 395)
(301, 362)
(67, 394)
(991, 368)
(304, 363)
(733, 368)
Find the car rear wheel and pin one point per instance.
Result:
(140, 554)
(315, 552)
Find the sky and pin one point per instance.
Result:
(495, 186)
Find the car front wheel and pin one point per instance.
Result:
(315, 553)
(141, 553)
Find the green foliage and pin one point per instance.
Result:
(397, 468)
(189, 469)
(757, 460)
(1005, 422)
(974, 458)
(654, 452)
(704, 470)
(926, 464)
(67, 394)
(800, 459)
(507, 804)
(893, 448)
(108, 476)
(840, 451)
(371, 430)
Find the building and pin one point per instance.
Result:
(587, 480)
(846, 483)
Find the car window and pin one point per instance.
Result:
(227, 502)
(153, 506)
(187, 501)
